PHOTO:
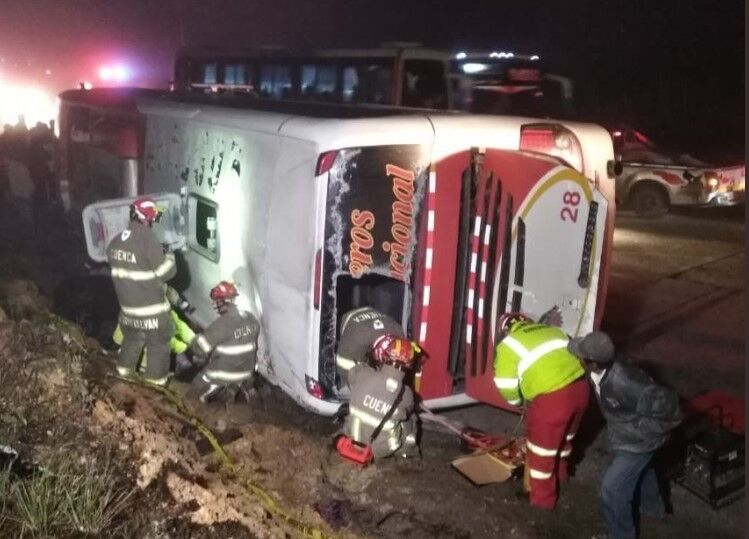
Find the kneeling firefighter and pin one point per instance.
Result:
(381, 420)
(230, 343)
(360, 328)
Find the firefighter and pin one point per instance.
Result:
(140, 269)
(230, 343)
(360, 328)
(533, 368)
(381, 413)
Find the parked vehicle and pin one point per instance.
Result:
(651, 181)
(443, 221)
(401, 74)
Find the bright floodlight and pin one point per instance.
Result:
(460, 55)
(32, 103)
(534, 57)
(473, 68)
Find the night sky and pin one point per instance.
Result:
(674, 68)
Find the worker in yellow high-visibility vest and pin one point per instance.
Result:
(532, 367)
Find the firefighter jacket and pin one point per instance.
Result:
(373, 393)
(639, 413)
(139, 270)
(533, 360)
(359, 330)
(183, 334)
(231, 343)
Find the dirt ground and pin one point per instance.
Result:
(184, 492)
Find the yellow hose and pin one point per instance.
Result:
(265, 499)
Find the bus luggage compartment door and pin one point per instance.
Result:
(537, 230)
(105, 219)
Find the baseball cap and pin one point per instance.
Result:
(595, 346)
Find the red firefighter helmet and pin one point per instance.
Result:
(390, 348)
(145, 210)
(507, 320)
(223, 293)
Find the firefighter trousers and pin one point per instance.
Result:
(152, 332)
(553, 420)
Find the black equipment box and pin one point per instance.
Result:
(714, 467)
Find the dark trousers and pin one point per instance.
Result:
(629, 487)
(155, 340)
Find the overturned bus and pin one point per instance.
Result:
(443, 221)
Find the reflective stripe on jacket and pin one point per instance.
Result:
(139, 270)
(532, 360)
(359, 329)
(373, 393)
(231, 343)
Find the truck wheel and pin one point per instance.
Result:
(649, 201)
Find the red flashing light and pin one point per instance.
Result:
(325, 162)
(318, 278)
(314, 388)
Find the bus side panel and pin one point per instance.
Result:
(219, 171)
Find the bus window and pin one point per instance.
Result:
(350, 83)
(367, 83)
(235, 74)
(204, 234)
(275, 81)
(424, 84)
(319, 82)
(209, 73)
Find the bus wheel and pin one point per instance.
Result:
(649, 200)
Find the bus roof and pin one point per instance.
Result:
(390, 51)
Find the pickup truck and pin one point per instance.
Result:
(651, 181)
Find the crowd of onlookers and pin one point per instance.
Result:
(27, 186)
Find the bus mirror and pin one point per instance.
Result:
(614, 168)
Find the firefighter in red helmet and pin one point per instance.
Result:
(230, 343)
(381, 418)
(140, 270)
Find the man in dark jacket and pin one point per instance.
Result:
(639, 414)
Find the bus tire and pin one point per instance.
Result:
(649, 200)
